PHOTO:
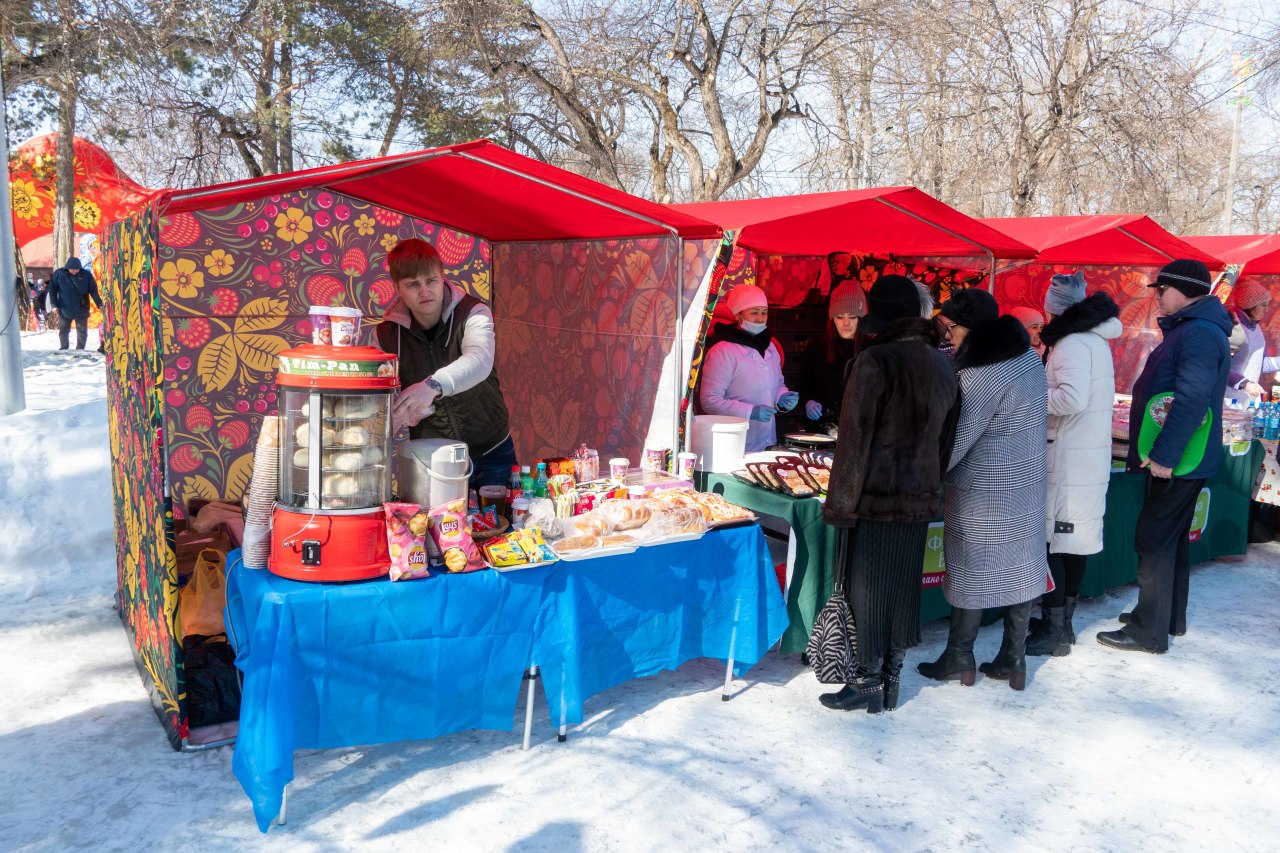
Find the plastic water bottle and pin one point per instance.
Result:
(1273, 423)
(1259, 420)
(526, 482)
(540, 482)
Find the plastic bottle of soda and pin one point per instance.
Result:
(540, 481)
(526, 482)
(514, 486)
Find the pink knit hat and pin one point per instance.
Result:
(1028, 317)
(1249, 293)
(848, 298)
(746, 296)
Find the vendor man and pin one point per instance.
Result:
(445, 341)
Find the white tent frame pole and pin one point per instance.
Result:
(991, 256)
(1138, 239)
(13, 395)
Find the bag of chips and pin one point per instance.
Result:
(406, 540)
(452, 536)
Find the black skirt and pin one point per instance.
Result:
(883, 565)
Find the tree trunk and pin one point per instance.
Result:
(65, 169)
(285, 108)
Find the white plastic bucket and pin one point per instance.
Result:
(719, 442)
(434, 471)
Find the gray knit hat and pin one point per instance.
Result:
(1064, 291)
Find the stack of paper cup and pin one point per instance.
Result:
(264, 485)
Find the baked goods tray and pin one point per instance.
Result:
(748, 479)
(733, 522)
(676, 537)
(591, 554)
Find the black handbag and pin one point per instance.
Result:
(833, 645)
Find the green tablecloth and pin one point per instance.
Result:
(1224, 533)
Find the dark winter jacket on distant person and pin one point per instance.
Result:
(71, 294)
(1192, 363)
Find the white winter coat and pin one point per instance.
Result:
(1251, 360)
(1081, 379)
(735, 379)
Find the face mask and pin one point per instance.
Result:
(753, 328)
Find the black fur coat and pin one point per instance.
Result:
(897, 425)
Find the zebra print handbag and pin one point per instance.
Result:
(833, 645)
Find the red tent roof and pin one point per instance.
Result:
(1258, 253)
(1119, 240)
(477, 187)
(901, 220)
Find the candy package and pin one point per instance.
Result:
(406, 540)
(520, 547)
(452, 536)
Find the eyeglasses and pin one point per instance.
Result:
(946, 327)
(1161, 288)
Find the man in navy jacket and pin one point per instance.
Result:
(1192, 363)
(70, 291)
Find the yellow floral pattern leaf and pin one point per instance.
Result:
(258, 352)
(198, 486)
(217, 365)
(260, 315)
(237, 479)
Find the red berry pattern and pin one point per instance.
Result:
(354, 261)
(454, 247)
(184, 459)
(383, 291)
(234, 434)
(179, 229)
(324, 290)
(225, 302)
(199, 419)
(193, 332)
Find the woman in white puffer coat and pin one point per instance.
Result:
(1081, 380)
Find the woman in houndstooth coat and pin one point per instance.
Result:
(995, 498)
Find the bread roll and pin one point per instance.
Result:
(350, 460)
(341, 485)
(300, 458)
(354, 436)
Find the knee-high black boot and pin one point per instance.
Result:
(1069, 607)
(957, 659)
(1011, 662)
(1051, 637)
(891, 673)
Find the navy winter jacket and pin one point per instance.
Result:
(67, 293)
(1192, 362)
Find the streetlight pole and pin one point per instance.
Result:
(13, 397)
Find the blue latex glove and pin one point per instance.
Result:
(813, 410)
(788, 401)
(764, 414)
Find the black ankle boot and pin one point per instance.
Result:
(1051, 638)
(891, 673)
(1069, 612)
(957, 659)
(866, 692)
(1011, 663)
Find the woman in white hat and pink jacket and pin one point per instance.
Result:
(742, 372)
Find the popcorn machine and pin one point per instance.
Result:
(335, 463)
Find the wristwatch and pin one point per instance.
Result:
(431, 382)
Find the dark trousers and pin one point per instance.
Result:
(64, 331)
(1164, 570)
(1068, 574)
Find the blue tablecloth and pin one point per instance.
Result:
(360, 663)
(608, 620)
(345, 664)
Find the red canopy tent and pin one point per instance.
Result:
(1118, 253)
(1253, 258)
(205, 287)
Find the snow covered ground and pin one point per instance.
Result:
(1104, 751)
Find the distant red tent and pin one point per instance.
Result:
(1259, 254)
(103, 192)
(902, 221)
(1107, 240)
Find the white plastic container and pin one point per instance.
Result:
(719, 441)
(434, 471)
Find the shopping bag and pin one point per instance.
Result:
(204, 598)
(833, 645)
(1153, 419)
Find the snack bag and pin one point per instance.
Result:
(452, 536)
(535, 548)
(406, 540)
(503, 552)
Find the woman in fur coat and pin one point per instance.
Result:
(1081, 379)
(897, 425)
(993, 536)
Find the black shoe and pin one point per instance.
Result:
(1051, 638)
(1174, 631)
(1121, 641)
(865, 693)
(957, 661)
(1010, 663)
(891, 675)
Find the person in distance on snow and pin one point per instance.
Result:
(895, 437)
(993, 538)
(742, 372)
(445, 341)
(1081, 380)
(71, 288)
(1192, 363)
